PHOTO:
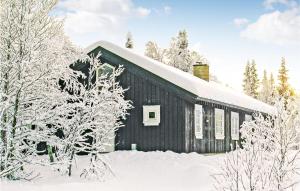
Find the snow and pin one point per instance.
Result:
(195, 85)
(134, 170)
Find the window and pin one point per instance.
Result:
(248, 117)
(151, 115)
(105, 70)
(198, 121)
(235, 134)
(219, 124)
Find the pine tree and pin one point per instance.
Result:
(272, 89)
(283, 86)
(264, 93)
(247, 79)
(129, 41)
(267, 89)
(254, 80)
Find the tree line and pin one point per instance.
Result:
(266, 89)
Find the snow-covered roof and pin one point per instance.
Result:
(187, 81)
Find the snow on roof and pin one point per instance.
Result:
(187, 81)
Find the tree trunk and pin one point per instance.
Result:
(50, 153)
(70, 165)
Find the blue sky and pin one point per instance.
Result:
(228, 32)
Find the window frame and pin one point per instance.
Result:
(147, 121)
(235, 126)
(198, 121)
(219, 130)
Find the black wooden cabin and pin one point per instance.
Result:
(174, 110)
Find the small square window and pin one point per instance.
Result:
(151, 115)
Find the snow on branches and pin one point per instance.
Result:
(34, 56)
(40, 95)
(95, 116)
(267, 159)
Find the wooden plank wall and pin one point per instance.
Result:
(169, 135)
(209, 144)
(144, 88)
(176, 130)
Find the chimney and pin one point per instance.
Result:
(201, 71)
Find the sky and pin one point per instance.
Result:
(227, 33)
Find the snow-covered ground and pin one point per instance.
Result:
(134, 171)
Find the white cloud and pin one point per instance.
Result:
(107, 18)
(167, 10)
(269, 4)
(277, 27)
(143, 12)
(240, 22)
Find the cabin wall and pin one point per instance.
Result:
(145, 88)
(209, 144)
(176, 130)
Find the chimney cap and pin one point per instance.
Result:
(200, 63)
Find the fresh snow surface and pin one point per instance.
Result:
(195, 85)
(134, 171)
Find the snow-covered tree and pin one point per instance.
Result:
(229, 178)
(272, 88)
(284, 89)
(264, 92)
(285, 140)
(247, 168)
(129, 41)
(35, 57)
(267, 89)
(247, 79)
(254, 80)
(178, 54)
(196, 57)
(268, 158)
(153, 51)
(251, 81)
(95, 117)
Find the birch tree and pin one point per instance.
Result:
(268, 160)
(35, 57)
(155, 52)
(96, 115)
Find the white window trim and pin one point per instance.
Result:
(151, 108)
(235, 127)
(220, 135)
(198, 121)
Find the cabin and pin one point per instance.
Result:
(174, 110)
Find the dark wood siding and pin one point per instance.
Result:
(176, 129)
(145, 88)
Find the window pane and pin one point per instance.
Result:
(151, 115)
(219, 124)
(198, 121)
